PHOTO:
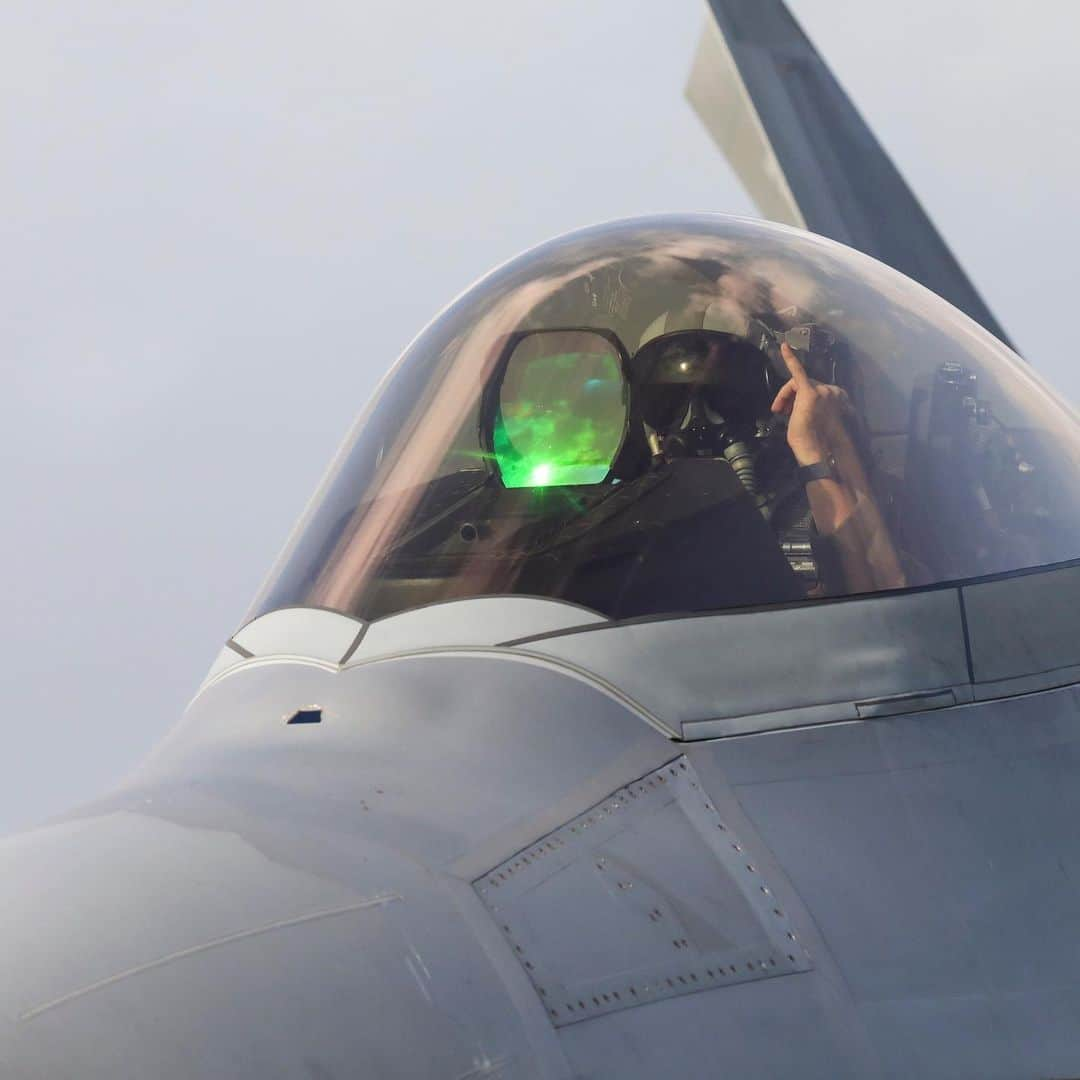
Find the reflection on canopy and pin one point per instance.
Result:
(592, 422)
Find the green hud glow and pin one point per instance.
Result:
(561, 420)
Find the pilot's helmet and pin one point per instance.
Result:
(591, 423)
(700, 390)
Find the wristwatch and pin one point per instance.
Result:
(819, 470)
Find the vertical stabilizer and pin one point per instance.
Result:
(805, 154)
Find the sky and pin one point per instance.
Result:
(222, 222)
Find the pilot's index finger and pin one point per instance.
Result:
(794, 365)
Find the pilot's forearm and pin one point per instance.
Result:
(833, 505)
(862, 539)
(850, 522)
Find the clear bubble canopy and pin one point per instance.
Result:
(689, 413)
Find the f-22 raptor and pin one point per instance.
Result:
(675, 675)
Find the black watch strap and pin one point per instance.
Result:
(819, 470)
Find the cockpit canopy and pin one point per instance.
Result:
(593, 422)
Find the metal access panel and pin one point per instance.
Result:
(648, 895)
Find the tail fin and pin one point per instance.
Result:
(804, 153)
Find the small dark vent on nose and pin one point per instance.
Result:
(306, 716)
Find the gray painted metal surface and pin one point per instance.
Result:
(481, 620)
(730, 673)
(322, 635)
(1023, 632)
(710, 676)
(938, 853)
(266, 900)
(806, 155)
(660, 886)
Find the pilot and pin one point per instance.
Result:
(703, 396)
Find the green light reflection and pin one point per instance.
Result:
(561, 419)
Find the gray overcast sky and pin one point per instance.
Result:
(222, 222)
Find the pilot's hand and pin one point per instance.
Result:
(815, 412)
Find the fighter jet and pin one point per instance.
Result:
(674, 676)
